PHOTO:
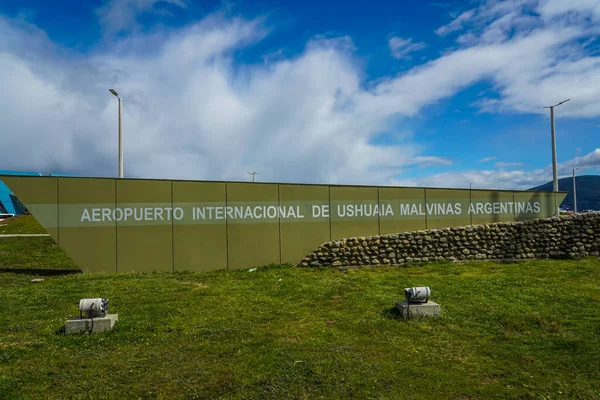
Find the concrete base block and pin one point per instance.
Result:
(429, 309)
(100, 324)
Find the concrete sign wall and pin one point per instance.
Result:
(125, 225)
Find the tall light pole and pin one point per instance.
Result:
(253, 175)
(554, 168)
(574, 193)
(470, 202)
(120, 132)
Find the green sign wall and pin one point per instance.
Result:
(126, 225)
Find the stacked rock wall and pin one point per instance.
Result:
(569, 236)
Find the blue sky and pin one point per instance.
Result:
(400, 93)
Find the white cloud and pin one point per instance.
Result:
(120, 15)
(514, 66)
(502, 179)
(588, 161)
(552, 8)
(401, 48)
(486, 159)
(502, 164)
(271, 57)
(192, 111)
(431, 161)
(560, 68)
(456, 24)
(492, 20)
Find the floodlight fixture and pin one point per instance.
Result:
(558, 104)
(93, 307)
(417, 294)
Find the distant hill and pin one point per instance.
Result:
(588, 192)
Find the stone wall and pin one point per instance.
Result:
(569, 236)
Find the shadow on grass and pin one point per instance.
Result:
(41, 272)
(391, 313)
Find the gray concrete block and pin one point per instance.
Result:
(429, 309)
(100, 324)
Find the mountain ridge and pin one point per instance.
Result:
(588, 192)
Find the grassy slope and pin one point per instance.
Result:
(30, 253)
(21, 224)
(530, 330)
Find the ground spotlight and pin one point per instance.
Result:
(417, 294)
(93, 308)
(417, 304)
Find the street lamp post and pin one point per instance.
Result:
(253, 175)
(120, 132)
(470, 202)
(554, 168)
(574, 192)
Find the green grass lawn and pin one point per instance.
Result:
(528, 330)
(33, 254)
(21, 224)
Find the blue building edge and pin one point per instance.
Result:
(9, 203)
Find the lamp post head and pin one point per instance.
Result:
(113, 91)
(556, 105)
